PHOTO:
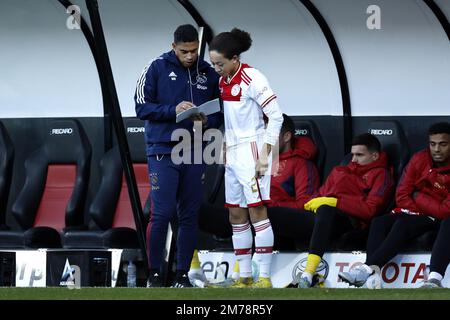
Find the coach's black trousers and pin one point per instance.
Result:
(390, 233)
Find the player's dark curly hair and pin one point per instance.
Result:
(231, 43)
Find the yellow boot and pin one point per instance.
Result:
(262, 283)
(246, 282)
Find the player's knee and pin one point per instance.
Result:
(237, 216)
(258, 213)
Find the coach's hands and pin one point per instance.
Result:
(183, 105)
(314, 204)
(200, 117)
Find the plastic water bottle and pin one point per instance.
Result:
(131, 275)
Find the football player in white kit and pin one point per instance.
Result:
(247, 97)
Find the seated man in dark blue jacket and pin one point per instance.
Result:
(174, 82)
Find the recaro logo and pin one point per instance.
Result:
(301, 132)
(62, 131)
(382, 132)
(135, 129)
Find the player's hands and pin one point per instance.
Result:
(261, 167)
(183, 105)
(314, 204)
(262, 164)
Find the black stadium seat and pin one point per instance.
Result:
(309, 129)
(214, 184)
(393, 142)
(111, 209)
(6, 170)
(55, 188)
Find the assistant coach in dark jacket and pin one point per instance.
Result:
(174, 82)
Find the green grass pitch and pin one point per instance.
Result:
(220, 294)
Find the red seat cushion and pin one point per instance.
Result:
(57, 192)
(123, 216)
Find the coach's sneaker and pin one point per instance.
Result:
(154, 281)
(245, 282)
(431, 284)
(304, 282)
(262, 283)
(356, 276)
(182, 281)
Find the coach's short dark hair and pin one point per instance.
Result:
(369, 140)
(440, 127)
(185, 33)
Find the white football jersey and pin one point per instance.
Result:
(245, 97)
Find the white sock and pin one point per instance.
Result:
(435, 275)
(264, 246)
(242, 244)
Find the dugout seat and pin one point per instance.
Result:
(393, 142)
(214, 180)
(111, 209)
(309, 129)
(53, 195)
(6, 171)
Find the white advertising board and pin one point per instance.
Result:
(404, 271)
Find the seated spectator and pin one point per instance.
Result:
(351, 196)
(422, 201)
(296, 179)
(294, 183)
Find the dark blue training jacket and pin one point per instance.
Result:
(163, 84)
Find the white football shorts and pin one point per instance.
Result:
(242, 189)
